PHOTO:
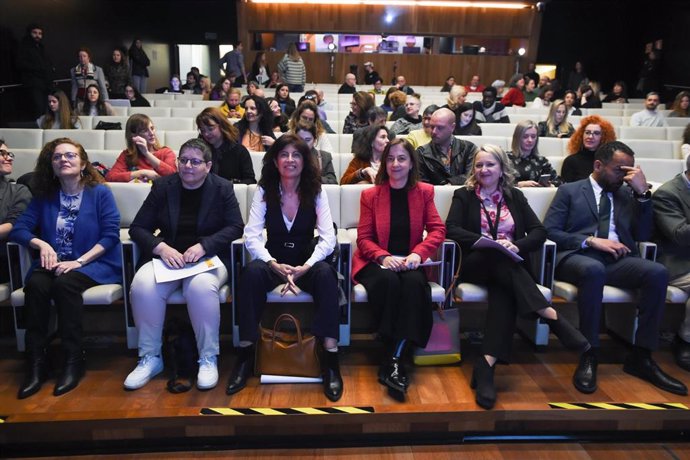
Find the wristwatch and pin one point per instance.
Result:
(643, 196)
(80, 261)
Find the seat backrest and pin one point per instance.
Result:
(187, 112)
(498, 129)
(642, 132)
(129, 197)
(349, 204)
(241, 195)
(345, 142)
(203, 104)
(24, 161)
(675, 133)
(172, 103)
(173, 124)
(552, 146)
(105, 157)
(175, 139)
(677, 121)
(88, 138)
(443, 197)
(660, 170)
(556, 163)
(257, 163)
(22, 138)
(501, 141)
(150, 111)
(539, 199)
(651, 149)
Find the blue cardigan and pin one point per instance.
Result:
(98, 222)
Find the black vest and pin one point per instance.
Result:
(293, 247)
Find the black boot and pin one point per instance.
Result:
(332, 381)
(71, 374)
(483, 383)
(567, 334)
(36, 374)
(392, 374)
(244, 366)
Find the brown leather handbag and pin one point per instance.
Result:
(284, 353)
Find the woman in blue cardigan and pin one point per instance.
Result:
(74, 224)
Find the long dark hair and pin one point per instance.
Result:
(310, 179)
(45, 183)
(266, 120)
(100, 103)
(413, 176)
(370, 133)
(67, 116)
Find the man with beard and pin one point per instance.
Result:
(650, 116)
(488, 110)
(36, 68)
(595, 223)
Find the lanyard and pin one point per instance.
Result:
(493, 226)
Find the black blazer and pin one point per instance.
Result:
(219, 221)
(464, 221)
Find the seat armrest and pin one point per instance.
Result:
(647, 250)
(449, 255)
(19, 260)
(130, 259)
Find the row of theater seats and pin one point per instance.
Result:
(344, 204)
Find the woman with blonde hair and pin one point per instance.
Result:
(556, 124)
(593, 132)
(144, 159)
(529, 165)
(59, 113)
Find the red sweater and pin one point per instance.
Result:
(121, 173)
(513, 97)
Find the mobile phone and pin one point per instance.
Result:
(544, 180)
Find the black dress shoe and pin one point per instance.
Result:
(585, 377)
(71, 374)
(682, 354)
(570, 337)
(483, 383)
(392, 374)
(244, 367)
(332, 381)
(36, 374)
(647, 369)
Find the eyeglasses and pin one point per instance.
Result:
(69, 156)
(593, 133)
(207, 128)
(195, 162)
(7, 155)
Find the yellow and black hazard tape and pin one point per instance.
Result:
(287, 411)
(619, 406)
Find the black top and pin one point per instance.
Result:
(346, 89)
(186, 237)
(399, 241)
(370, 78)
(471, 129)
(577, 166)
(291, 247)
(232, 162)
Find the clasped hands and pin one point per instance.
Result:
(173, 259)
(401, 264)
(289, 274)
(49, 261)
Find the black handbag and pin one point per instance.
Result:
(108, 125)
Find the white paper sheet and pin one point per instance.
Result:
(484, 243)
(427, 263)
(163, 273)
(288, 379)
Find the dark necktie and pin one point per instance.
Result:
(604, 215)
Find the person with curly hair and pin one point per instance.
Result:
(592, 132)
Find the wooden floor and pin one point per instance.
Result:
(439, 417)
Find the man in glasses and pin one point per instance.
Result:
(14, 199)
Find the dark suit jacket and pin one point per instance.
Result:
(573, 217)
(672, 217)
(464, 221)
(219, 221)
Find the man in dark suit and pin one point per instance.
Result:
(595, 222)
(672, 218)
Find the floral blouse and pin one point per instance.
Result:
(532, 167)
(506, 224)
(67, 217)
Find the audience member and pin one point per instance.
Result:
(466, 123)
(221, 89)
(589, 96)
(359, 106)
(556, 124)
(376, 116)
(488, 110)
(135, 98)
(230, 159)
(59, 113)
(378, 87)
(275, 80)
(232, 65)
(139, 63)
(205, 87)
(509, 221)
(292, 70)
(593, 132)
(420, 137)
(591, 253)
(401, 84)
(84, 75)
(324, 160)
(349, 86)
(175, 85)
(390, 247)
(74, 224)
(367, 160)
(370, 75)
(577, 77)
(94, 104)
(680, 105)
(192, 85)
(448, 84)
(289, 191)
(397, 101)
(569, 98)
(544, 98)
(650, 116)
(117, 74)
(456, 97)
(500, 87)
(530, 168)
(260, 71)
(280, 120)
(308, 113)
(618, 94)
(287, 104)
(514, 95)
(412, 119)
(446, 160)
(232, 108)
(144, 159)
(256, 127)
(475, 86)
(530, 91)
(36, 68)
(187, 217)
(532, 72)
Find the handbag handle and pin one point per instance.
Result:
(287, 317)
(452, 283)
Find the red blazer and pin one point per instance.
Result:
(373, 230)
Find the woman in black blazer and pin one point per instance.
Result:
(490, 207)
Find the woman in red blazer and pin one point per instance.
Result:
(390, 247)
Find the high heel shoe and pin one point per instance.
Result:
(36, 375)
(483, 383)
(569, 336)
(75, 364)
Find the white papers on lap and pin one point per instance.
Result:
(427, 263)
(488, 243)
(288, 379)
(163, 273)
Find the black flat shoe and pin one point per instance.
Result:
(36, 375)
(570, 337)
(647, 369)
(392, 374)
(332, 381)
(71, 374)
(681, 352)
(585, 376)
(244, 367)
(483, 383)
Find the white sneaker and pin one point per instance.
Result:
(148, 367)
(208, 373)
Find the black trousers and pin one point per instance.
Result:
(402, 301)
(512, 292)
(65, 291)
(321, 281)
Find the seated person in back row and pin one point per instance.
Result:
(488, 110)
(412, 120)
(597, 247)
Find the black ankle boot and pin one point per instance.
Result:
(570, 337)
(71, 374)
(483, 383)
(332, 381)
(392, 374)
(244, 367)
(36, 374)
